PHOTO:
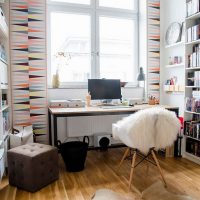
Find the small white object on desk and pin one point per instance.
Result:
(71, 103)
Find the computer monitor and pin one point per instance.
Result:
(103, 89)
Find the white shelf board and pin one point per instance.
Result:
(193, 42)
(1, 142)
(175, 92)
(175, 65)
(175, 44)
(4, 108)
(190, 112)
(192, 156)
(192, 86)
(192, 138)
(1, 153)
(192, 68)
(194, 16)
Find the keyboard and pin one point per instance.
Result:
(115, 107)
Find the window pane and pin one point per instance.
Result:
(117, 44)
(123, 4)
(74, 1)
(70, 46)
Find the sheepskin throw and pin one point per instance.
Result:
(153, 127)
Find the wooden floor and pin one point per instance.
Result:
(182, 176)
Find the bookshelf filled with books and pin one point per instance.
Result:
(5, 117)
(192, 81)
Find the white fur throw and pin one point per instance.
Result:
(153, 127)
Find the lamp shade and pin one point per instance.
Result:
(141, 75)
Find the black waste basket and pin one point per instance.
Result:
(74, 154)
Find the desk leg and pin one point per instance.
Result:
(55, 129)
(50, 130)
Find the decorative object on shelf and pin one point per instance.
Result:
(141, 79)
(175, 60)
(173, 34)
(171, 85)
(183, 29)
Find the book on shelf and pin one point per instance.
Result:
(193, 79)
(193, 32)
(192, 104)
(193, 147)
(194, 57)
(192, 7)
(192, 129)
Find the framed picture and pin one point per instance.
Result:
(183, 32)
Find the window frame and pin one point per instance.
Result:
(95, 12)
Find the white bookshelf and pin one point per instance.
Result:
(188, 115)
(5, 117)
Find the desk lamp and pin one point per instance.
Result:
(141, 78)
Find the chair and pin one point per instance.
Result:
(144, 132)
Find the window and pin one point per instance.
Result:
(92, 39)
(123, 4)
(87, 2)
(71, 46)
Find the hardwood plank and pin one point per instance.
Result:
(182, 176)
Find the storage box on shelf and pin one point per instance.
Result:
(192, 81)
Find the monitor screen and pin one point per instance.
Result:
(104, 88)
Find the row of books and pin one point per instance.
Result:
(193, 79)
(192, 104)
(193, 147)
(192, 129)
(192, 7)
(194, 57)
(193, 33)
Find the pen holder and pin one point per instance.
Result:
(152, 102)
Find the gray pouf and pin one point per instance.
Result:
(32, 166)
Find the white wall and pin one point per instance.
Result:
(171, 11)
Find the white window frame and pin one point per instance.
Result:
(94, 11)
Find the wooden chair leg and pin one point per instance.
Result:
(159, 168)
(132, 168)
(123, 158)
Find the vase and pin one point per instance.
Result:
(55, 80)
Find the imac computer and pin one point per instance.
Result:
(104, 89)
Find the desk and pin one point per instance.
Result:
(55, 113)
